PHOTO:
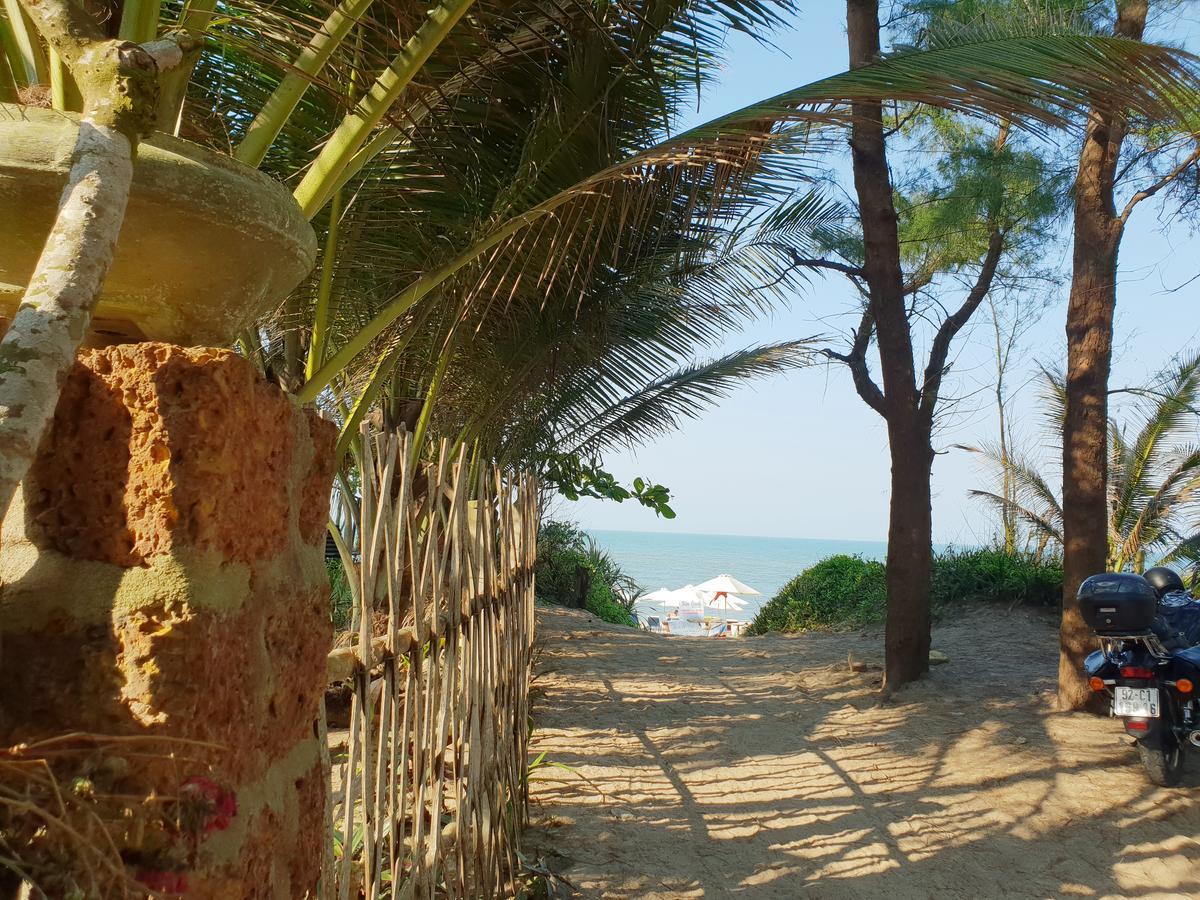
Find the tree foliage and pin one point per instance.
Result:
(527, 255)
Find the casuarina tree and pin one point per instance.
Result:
(960, 221)
(890, 281)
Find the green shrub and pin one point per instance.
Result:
(569, 560)
(603, 603)
(839, 590)
(848, 591)
(994, 576)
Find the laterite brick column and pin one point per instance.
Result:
(162, 573)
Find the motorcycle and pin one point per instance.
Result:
(1148, 665)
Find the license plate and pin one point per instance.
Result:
(1141, 703)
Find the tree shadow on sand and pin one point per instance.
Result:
(768, 769)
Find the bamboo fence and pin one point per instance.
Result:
(431, 793)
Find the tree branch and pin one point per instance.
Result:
(901, 121)
(856, 361)
(1134, 159)
(119, 80)
(67, 27)
(120, 88)
(804, 262)
(954, 323)
(919, 280)
(1160, 184)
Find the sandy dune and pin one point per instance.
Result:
(764, 768)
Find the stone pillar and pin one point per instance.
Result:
(162, 574)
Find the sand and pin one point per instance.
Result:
(764, 767)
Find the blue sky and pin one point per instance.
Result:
(801, 455)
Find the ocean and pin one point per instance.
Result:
(672, 560)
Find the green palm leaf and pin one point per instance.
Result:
(1171, 408)
(660, 406)
(713, 164)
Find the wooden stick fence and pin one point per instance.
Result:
(431, 794)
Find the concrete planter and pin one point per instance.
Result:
(208, 244)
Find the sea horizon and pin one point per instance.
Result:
(769, 537)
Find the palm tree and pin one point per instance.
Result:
(1154, 475)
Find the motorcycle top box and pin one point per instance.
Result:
(1117, 603)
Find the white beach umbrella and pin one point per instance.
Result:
(687, 597)
(658, 596)
(669, 598)
(727, 584)
(724, 585)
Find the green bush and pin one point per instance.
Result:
(602, 602)
(839, 590)
(569, 560)
(994, 576)
(847, 591)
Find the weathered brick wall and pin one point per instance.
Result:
(162, 573)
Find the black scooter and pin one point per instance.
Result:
(1147, 668)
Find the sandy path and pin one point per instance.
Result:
(763, 768)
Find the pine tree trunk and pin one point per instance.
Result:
(1090, 311)
(910, 551)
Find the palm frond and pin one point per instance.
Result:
(712, 172)
(1041, 524)
(1155, 518)
(1171, 409)
(1037, 77)
(661, 405)
(1186, 551)
(1054, 398)
(1030, 487)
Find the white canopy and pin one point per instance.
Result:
(688, 597)
(658, 596)
(695, 599)
(727, 584)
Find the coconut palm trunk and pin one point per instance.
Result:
(1093, 297)
(119, 84)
